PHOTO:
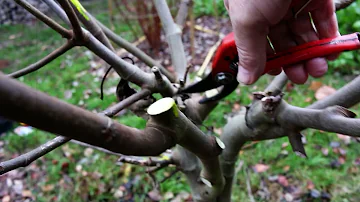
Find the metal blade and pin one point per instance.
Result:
(227, 89)
(205, 84)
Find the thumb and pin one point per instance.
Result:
(251, 46)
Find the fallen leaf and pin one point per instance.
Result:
(218, 131)
(357, 161)
(88, 152)
(324, 91)
(168, 195)
(27, 194)
(289, 197)
(182, 196)
(47, 188)
(155, 195)
(310, 185)
(345, 138)
(118, 193)
(289, 86)
(315, 193)
(341, 160)
(236, 107)
(285, 144)
(6, 198)
(68, 94)
(325, 151)
(260, 168)
(282, 180)
(334, 144)
(315, 85)
(308, 99)
(4, 63)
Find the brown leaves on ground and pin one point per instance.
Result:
(260, 168)
(324, 91)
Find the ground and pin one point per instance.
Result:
(75, 173)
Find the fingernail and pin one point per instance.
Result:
(244, 76)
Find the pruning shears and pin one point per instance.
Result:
(225, 62)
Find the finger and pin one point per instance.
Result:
(251, 47)
(296, 73)
(251, 27)
(304, 32)
(326, 23)
(282, 39)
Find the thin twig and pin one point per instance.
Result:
(95, 147)
(113, 110)
(248, 185)
(145, 161)
(75, 23)
(135, 51)
(170, 175)
(48, 21)
(47, 59)
(58, 10)
(27, 158)
(238, 167)
(126, 19)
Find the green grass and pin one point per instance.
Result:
(99, 177)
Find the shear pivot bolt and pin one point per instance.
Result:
(224, 78)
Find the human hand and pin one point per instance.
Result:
(254, 20)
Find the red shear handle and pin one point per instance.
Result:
(313, 49)
(227, 52)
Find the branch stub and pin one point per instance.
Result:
(161, 106)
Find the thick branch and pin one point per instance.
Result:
(48, 21)
(20, 103)
(347, 96)
(182, 14)
(25, 159)
(173, 36)
(47, 59)
(332, 119)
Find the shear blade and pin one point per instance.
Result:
(205, 84)
(225, 91)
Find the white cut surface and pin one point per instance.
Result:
(161, 106)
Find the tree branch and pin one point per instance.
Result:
(173, 36)
(75, 24)
(145, 161)
(48, 21)
(20, 103)
(27, 158)
(332, 119)
(91, 25)
(113, 110)
(347, 96)
(58, 10)
(135, 51)
(47, 59)
(182, 14)
(277, 84)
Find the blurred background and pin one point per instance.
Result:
(76, 173)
